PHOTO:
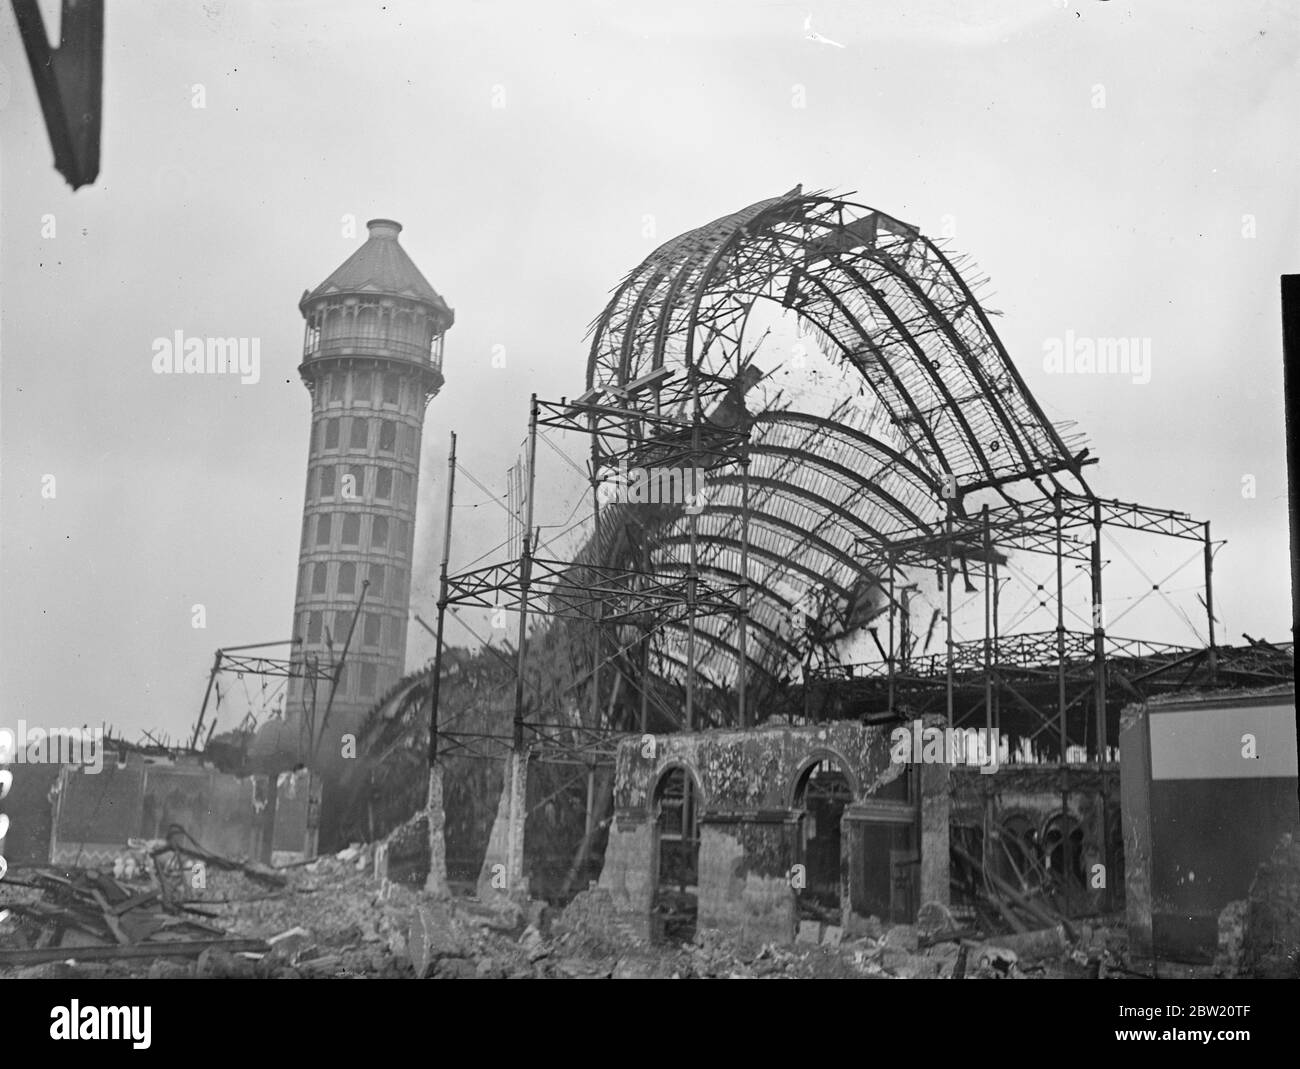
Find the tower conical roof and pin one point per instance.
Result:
(380, 266)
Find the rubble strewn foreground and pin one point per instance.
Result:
(332, 918)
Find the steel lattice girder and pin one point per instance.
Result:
(574, 592)
(275, 668)
(1031, 526)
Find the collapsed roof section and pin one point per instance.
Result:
(873, 291)
(896, 394)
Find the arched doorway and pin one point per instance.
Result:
(1063, 857)
(821, 795)
(677, 856)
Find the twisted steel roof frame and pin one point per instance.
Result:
(952, 416)
(875, 289)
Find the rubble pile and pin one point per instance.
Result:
(1271, 932)
(87, 916)
(334, 917)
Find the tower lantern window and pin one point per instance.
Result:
(338, 381)
(391, 385)
(361, 388)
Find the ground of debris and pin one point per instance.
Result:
(332, 918)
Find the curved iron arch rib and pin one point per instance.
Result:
(894, 316)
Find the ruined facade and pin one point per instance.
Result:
(92, 817)
(772, 827)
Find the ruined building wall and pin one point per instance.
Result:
(747, 784)
(1032, 804)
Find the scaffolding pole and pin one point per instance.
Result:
(743, 659)
(893, 652)
(436, 881)
(1099, 682)
(442, 605)
(692, 580)
(988, 635)
(947, 588)
(1098, 636)
(1061, 707)
(595, 519)
(525, 576)
(1209, 600)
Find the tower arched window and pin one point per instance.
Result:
(360, 433)
(379, 534)
(333, 321)
(318, 578)
(311, 342)
(355, 487)
(368, 324)
(351, 530)
(400, 330)
(347, 578)
(362, 388)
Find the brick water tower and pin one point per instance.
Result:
(372, 361)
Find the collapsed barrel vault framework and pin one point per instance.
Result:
(905, 442)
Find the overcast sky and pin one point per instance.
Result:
(535, 153)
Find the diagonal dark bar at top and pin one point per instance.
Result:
(69, 83)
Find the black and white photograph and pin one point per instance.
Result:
(636, 489)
